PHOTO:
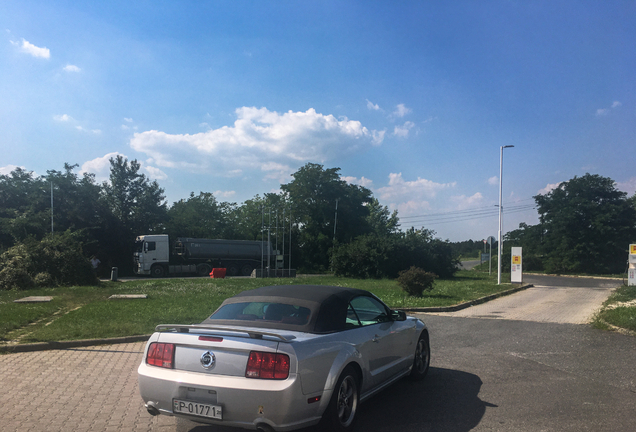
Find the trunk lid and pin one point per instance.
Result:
(216, 352)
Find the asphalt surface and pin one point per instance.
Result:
(486, 375)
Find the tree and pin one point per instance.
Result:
(135, 201)
(530, 238)
(314, 194)
(200, 216)
(136, 206)
(588, 225)
(24, 207)
(381, 221)
(76, 200)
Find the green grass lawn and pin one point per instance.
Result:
(86, 312)
(619, 310)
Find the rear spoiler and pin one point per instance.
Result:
(253, 333)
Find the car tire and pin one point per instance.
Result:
(422, 359)
(204, 269)
(157, 271)
(340, 415)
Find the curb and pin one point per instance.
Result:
(461, 306)
(43, 346)
(616, 329)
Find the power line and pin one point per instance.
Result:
(465, 215)
(462, 211)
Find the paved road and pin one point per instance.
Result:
(552, 299)
(486, 375)
(467, 265)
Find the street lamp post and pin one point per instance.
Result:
(499, 239)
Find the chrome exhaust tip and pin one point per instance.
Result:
(152, 409)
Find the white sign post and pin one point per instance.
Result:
(631, 271)
(490, 240)
(516, 272)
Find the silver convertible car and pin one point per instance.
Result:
(280, 358)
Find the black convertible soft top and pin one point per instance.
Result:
(327, 304)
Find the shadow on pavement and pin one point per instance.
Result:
(447, 400)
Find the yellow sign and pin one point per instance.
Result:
(632, 249)
(516, 259)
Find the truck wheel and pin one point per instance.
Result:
(157, 271)
(232, 269)
(246, 270)
(204, 269)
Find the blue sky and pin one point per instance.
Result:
(411, 99)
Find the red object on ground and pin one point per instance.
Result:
(218, 273)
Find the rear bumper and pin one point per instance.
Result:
(245, 402)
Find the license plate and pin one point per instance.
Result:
(197, 409)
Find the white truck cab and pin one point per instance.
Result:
(152, 254)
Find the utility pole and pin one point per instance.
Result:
(335, 223)
(51, 207)
(262, 235)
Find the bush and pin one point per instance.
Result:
(43, 279)
(57, 260)
(372, 256)
(365, 257)
(415, 281)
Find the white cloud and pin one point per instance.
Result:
(93, 131)
(493, 180)
(549, 188)
(403, 131)
(62, 118)
(602, 112)
(628, 186)
(33, 50)
(378, 137)
(155, 173)
(464, 202)
(257, 139)
(6, 170)
(277, 171)
(99, 166)
(125, 127)
(224, 194)
(364, 182)
(410, 208)
(399, 189)
(372, 106)
(72, 68)
(401, 111)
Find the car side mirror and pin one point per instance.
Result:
(398, 315)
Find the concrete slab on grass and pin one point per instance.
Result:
(34, 299)
(128, 296)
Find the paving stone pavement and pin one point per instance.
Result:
(563, 305)
(78, 389)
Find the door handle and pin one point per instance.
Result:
(376, 339)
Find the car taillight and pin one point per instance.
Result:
(161, 354)
(265, 365)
